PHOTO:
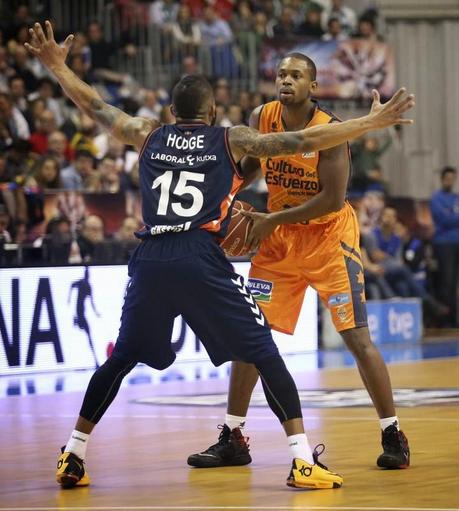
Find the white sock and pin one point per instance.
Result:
(77, 443)
(233, 421)
(389, 421)
(300, 448)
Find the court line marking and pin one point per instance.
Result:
(220, 417)
(211, 508)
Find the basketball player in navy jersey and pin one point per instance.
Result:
(189, 174)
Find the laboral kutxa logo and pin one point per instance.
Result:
(261, 289)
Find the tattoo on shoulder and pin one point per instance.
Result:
(252, 143)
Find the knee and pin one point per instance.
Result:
(358, 342)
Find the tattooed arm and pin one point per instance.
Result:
(246, 141)
(129, 130)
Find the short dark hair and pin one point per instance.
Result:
(448, 170)
(191, 95)
(309, 62)
(83, 153)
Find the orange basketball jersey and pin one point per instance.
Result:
(291, 180)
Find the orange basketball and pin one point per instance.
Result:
(238, 229)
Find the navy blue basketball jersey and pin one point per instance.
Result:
(188, 179)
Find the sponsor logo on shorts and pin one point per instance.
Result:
(342, 314)
(261, 289)
(339, 299)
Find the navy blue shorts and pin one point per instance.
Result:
(188, 274)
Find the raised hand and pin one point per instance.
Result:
(390, 113)
(44, 46)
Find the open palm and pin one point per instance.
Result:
(44, 46)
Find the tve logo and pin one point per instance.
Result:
(395, 320)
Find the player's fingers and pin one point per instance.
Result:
(31, 49)
(406, 103)
(405, 121)
(49, 30)
(396, 96)
(375, 95)
(249, 214)
(68, 41)
(39, 33)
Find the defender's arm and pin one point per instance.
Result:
(246, 141)
(127, 129)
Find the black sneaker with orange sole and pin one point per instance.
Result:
(231, 449)
(396, 450)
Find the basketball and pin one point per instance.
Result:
(238, 229)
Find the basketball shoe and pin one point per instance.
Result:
(231, 449)
(396, 450)
(70, 471)
(316, 476)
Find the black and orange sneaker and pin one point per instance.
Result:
(70, 470)
(396, 450)
(313, 477)
(231, 449)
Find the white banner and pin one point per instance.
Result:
(68, 318)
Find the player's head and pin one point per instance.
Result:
(296, 79)
(448, 178)
(193, 99)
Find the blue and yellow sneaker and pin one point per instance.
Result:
(70, 471)
(314, 477)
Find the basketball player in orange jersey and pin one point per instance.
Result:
(310, 237)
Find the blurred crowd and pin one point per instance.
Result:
(49, 149)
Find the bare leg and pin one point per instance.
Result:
(372, 368)
(84, 425)
(243, 379)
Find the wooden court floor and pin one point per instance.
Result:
(137, 454)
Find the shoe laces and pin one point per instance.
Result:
(242, 440)
(318, 450)
(392, 439)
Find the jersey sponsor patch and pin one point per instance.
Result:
(339, 299)
(308, 155)
(261, 289)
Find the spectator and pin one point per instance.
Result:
(445, 213)
(311, 26)
(366, 155)
(163, 12)
(151, 108)
(260, 27)
(101, 50)
(46, 91)
(235, 114)
(366, 29)
(128, 227)
(79, 175)
(334, 31)
(214, 30)
(39, 138)
(376, 285)
(185, 31)
(222, 92)
(22, 68)
(346, 16)
(83, 139)
(59, 149)
(6, 71)
(109, 175)
(5, 236)
(36, 108)
(384, 247)
(12, 121)
(285, 25)
(18, 94)
(58, 240)
(46, 175)
(91, 240)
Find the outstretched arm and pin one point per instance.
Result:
(129, 130)
(246, 141)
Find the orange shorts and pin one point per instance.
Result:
(324, 256)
